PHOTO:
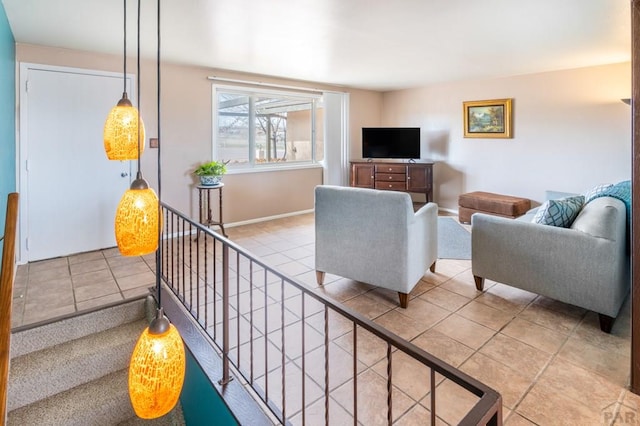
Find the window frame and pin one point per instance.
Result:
(252, 93)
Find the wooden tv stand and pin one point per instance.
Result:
(393, 175)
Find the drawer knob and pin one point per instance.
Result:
(390, 185)
(389, 177)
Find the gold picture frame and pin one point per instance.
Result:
(487, 119)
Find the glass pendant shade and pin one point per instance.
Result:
(137, 222)
(121, 131)
(156, 373)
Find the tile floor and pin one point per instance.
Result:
(550, 361)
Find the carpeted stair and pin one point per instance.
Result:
(75, 371)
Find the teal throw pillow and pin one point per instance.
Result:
(560, 212)
(598, 191)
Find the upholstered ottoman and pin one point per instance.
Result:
(495, 204)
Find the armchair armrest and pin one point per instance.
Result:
(422, 237)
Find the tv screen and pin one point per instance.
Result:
(391, 142)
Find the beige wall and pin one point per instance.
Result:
(186, 134)
(571, 132)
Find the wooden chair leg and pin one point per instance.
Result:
(479, 282)
(432, 268)
(606, 322)
(404, 299)
(319, 277)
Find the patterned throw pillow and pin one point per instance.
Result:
(560, 212)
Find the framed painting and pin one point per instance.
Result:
(487, 119)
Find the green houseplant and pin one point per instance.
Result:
(211, 172)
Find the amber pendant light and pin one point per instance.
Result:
(123, 123)
(137, 220)
(157, 367)
(156, 371)
(121, 131)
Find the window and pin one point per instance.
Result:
(254, 129)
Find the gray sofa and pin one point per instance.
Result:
(374, 236)
(586, 265)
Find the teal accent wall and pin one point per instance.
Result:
(201, 403)
(7, 114)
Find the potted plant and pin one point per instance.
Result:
(210, 173)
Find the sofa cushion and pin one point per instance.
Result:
(560, 212)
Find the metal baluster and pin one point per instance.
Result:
(225, 315)
(304, 363)
(282, 351)
(326, 365)
(389, 388)
(433, 397)
(355, 374)
(251, 320)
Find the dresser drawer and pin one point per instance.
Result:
(395, 186)
(391, 168)
(390, 177)
(394, 176)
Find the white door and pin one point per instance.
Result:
(69, 189)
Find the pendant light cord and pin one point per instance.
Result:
(158, 256)
(124, 89)
(139, 174)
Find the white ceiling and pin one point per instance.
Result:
(373, 44)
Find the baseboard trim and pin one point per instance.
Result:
(267, 218)
(452, 211)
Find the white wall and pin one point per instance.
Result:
(571, 132)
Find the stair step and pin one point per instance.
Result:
(174, 418)
(75, 371)
(104, 401)
(39, 375)
(108, 399)
(38, 338)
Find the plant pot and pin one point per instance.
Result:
(210, 180)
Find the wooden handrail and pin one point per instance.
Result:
(6, 297)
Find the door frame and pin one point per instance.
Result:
(22, 148)
(635, 197)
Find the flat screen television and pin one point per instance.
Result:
(391, 142)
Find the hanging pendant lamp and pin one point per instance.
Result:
(123, 123)
(137, 220)
(121, 131)
(156, 371)
(158, 362)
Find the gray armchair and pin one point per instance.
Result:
(374, 237)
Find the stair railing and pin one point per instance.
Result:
(277, 334)
(6, 296)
